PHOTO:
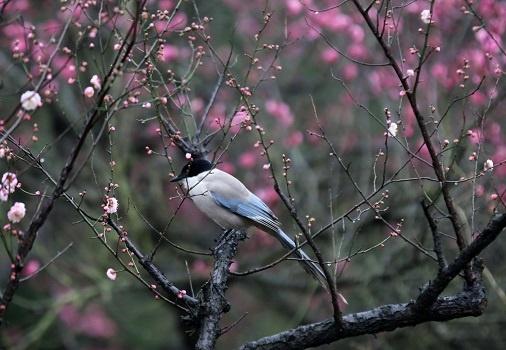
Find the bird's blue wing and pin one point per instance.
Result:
(251, 207)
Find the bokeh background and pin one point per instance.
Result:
(328, 66)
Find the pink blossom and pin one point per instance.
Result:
(329, 55)
(31, 267)
(478, 98)
(234, 266)
(281, 111)
(350, 71)
(474, 136)
(267, 194)
(248, 160)
(89, 92)
(294, 139)
(357, 51)
(480, 190)
(197, 105)
(357, 33)
(498, 157)
(227, 167)
(169, 53)
(200, 267)
(16, 212)
(165, 5)
(92, 321)
(294, 7)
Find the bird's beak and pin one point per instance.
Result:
(178, 178)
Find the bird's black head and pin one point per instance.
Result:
(193, 168)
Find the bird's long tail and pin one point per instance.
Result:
(311, 267)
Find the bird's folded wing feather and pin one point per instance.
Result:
(252, 208)
(231, 194)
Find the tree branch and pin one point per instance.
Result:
(446, 275)
(214, 303)
(152, 269)
(381, 319)
(427, 307)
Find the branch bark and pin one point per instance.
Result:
(381, 319)
(213, 303)
(430, 293)
(152, 269)
(427, 307)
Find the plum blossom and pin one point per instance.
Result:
(31, 267)
(392, 129)
(30, 100)
(488, 165)
(16, 212)
(280, 111)
(111, 274)
(9, 182)
(111, 206)
(425, 16)
(4, 194)
(95, 81)
(89, 91)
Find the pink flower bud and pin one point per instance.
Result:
(89, 92)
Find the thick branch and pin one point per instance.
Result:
(381, 319)
(214, 303)
(427, 307)
(446, 275)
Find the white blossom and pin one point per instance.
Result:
(111, 274)
(488, 165)
(111, 206)
(95, 81)
(425, 16)
(392, 129)
(9, 182)
(30, 100)
(4, 194)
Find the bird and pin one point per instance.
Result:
(228, 202)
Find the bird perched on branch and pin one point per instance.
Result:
(226, 201)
